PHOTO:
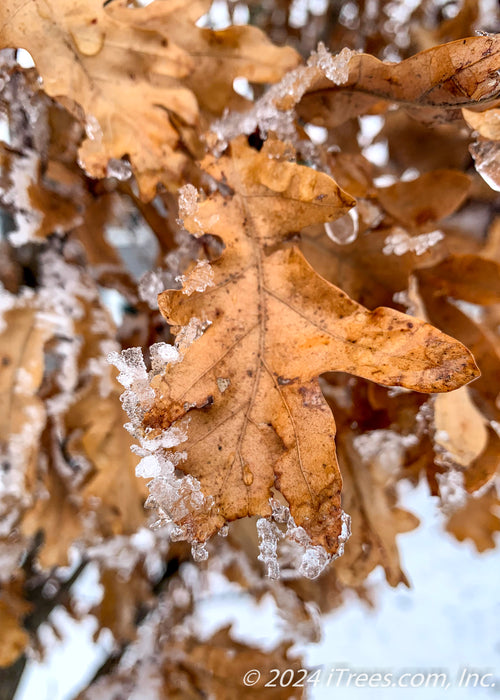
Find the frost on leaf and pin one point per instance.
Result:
(271, 325)
(486, 156)
(432, 86)
(399, 242)
(23, 414)
(140, 76)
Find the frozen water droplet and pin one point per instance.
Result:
(486, 156)
(198, 279)
(148, 467)
(188, 334)
(188, 201)
(199, 551)
(314, 561)
(281, 512)
(451, 489)
(119, 169)
(161, 355)
(268, 536)
(369, 213)
(335, 68)
(344, 230)
(153, 283)
(93, 128)
(345, 533)
(400, 242)
(223, 383)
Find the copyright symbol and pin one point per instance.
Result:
(251, 677)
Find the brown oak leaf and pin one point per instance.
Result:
(22, 413)
(376, 521)
(136, 73)
(216, 668)
(432, 85)
(257, 418)
(477, 520)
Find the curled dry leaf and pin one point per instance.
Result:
(460, 427)
(136, 73)
(275, 325)
(432, 85)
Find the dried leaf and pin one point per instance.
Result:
(133, 71)
(275, 326)
(118, 608)
(22, 413)
(432, 85)
(95, 430)
(427, 199)
(216, 667)
(57, 515)
(12, 610)
(477, 520)
(460, 427)
(487, 123)
(469, 277)
(376, 521)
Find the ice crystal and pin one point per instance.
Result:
(223, 383)
(23, 174)
(335, 67)
(188, 201)
(156, 281)
(400, 242)
(451, 489)
(93, 128)
(188, 334)
(199, 551)
(148, 467)
(119, 169)
(385, 447)
(132, 370)
(286, 548)
(176, 498)
(201, 277)
(63, 287)
(7, 302)
(162, 354)
(265, 116)
(486, 156)
(369, 213)
(269, 535)
(153, 283)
